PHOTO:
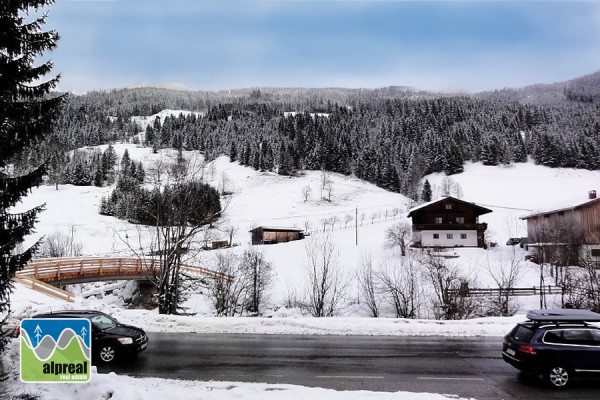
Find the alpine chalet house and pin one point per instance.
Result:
(448, 222)
(568, 234)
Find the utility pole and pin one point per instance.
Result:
(356, 226)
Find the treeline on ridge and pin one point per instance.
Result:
(391, 137)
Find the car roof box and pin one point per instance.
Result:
(563, 315)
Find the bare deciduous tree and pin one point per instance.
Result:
(582, 287)
(367, 285)
(446, 186)
(307, 226)
(400, 282)
(207, 235)
(326, 284)
(504, 266)
(326, 186)
(229, 290)
(306, 191)
(230, 230)
(333, 220)
(259, 274)
(225, 186)
(450, 288)
(347, 219)
(292, 297)
(59, 244)
(581, 282)
(457, 191)
(181, 205)
(399, 235)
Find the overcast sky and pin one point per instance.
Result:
(225, 44)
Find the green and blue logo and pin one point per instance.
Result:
(55, 350)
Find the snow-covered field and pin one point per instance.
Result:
(268, 199)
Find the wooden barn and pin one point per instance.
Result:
(448, 222)
(273, 234)
(570, 232)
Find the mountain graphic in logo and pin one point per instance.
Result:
(55, 350)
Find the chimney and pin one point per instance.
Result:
(592, 194)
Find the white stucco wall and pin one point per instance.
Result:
(427, 239)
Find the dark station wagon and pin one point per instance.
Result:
(557, 344)
(111, 340)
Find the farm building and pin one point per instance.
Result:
(273, 234)
(567, 234)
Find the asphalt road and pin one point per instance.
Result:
(468, 367)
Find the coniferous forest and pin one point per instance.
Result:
(391, 137)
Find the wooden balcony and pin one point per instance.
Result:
(449, 227)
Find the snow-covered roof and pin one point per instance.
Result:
(278, 228)
(569, 205)
(424, 205)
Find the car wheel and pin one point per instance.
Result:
(107, 353)
(559, 377)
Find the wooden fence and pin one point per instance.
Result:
(495, 292)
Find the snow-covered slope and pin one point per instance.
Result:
(264, 198)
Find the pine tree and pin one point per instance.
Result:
(453, 161)
(27, 114)
(426, 193)
(125, 162)
(140, 174)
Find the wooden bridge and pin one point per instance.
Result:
(47, 275)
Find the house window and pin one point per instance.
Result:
(449, 236)
(595, 252)
(463, 235)
(460, 220)
(436, 235)
(438, 220)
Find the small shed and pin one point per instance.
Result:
(274, 234)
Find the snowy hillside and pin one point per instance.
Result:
(264, 198)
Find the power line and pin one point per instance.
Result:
(504, 207)
(338, 212)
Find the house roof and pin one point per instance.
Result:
(565, 206)
(481, 210)
(277, 228)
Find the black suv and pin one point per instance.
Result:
(110, 338)
(555, 343)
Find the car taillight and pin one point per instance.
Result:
(527, 349)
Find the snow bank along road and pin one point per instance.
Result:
(468, 367)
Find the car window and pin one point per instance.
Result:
(595, 337)
(102, 321)
(522, 333)
(554, 337)
(577, 336)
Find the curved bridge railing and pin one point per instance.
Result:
(67, 271)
